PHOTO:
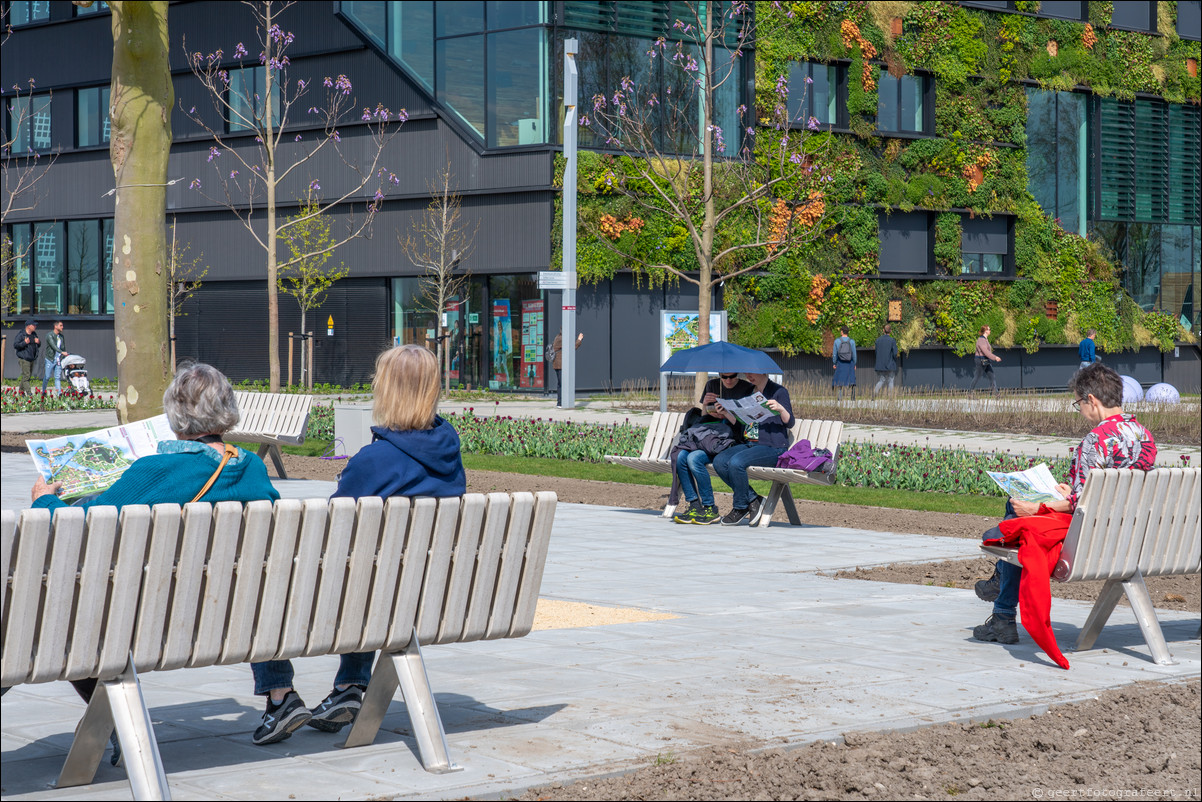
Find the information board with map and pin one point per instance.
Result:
(91, 463)
(679, 330)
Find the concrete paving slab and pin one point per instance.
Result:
(763, 647)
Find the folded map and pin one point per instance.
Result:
(91, 463)
(1034, 484)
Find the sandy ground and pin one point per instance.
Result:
(1142, 741)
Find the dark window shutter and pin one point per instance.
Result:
(981, 235)
(1116, 160)
(1185, 174)
(1152, 160)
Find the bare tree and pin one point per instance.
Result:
(307, 277)
(249, 186)
(185, 278)
(744, 198)
(439, 240)
(25, 166)
(142, 97)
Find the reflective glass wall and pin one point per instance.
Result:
(1056, 155)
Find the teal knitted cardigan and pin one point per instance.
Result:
(176, 474)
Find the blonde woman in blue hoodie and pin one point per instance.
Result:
(413, 452)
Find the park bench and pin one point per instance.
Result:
(271, 419)
(123, 592)
(661, 434)
(1129, 525)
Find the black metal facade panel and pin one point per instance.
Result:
(225, 325)
(74, 53)
(74, 187)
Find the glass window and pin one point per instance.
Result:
(21, 259)
(83, 267)
(514, 13)
(460, 71)
(506, 294)
(48, 267)
(1134, 15)
(106, 230)
(815, 97)
(1056, 155)
(728, 75)
(900, 103)
(590, 67)
(1063, 9)
(92, 116)
(517, 73)
(1189, 19)
(455, 19)
(95, 8)
(905, 243)
(29, 123)
(411, 39)
(1177, 269)
(23, 13)
(248, 87)
(372, 16)
(984, 244)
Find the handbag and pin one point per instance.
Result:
(802, 457)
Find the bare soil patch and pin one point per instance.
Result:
(1142, 741)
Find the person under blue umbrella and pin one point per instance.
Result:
(765, 443)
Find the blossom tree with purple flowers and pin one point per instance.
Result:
(291, 127)
(744, 198)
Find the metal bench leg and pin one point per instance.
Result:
(780, 491)
(770, 503)
(406, 669)
(1145, 614)
(669, 510)
(277, 458)
(118, 702)
(1112, 591)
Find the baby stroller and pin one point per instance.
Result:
(76, 373)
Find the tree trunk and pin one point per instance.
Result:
(269, 142)
(304, 345)
(142, 100)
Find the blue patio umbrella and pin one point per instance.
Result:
(722, 357)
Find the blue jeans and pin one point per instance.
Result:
(732, 465)
(691, 467)
(52, 367)
(1009, 575)
(272, 675)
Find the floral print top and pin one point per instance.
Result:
(1120, 441)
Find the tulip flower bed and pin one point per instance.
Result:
(535, 437)
(938, 470)
(13, 400)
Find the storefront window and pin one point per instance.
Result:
(513, 360)
(83, 267)
(48, 267)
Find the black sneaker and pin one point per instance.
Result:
(997, 629)
(338, 709)
(733, 517)
(988, 589)
(708, 515)
(755, 510)
(115, 757)
(689, 515)
(281, 720)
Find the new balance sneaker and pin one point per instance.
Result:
(988, 589)
(708, 515)
(281, 719)
(734, 517)
(688, 516)
(997, 629)
(755, 510)
(338, 709)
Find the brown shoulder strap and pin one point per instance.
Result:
(230, 451)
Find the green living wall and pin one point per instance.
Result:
(975, 165)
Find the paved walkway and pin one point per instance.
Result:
(763, 647)
(602, 412)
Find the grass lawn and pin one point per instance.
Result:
(603, 472)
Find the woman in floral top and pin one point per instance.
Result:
(1117, 440)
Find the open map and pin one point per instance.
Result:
(1036, 485)
(91, 463)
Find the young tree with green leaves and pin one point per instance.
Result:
(438, 242)
(306, 276)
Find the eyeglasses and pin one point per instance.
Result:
(1077, 404)
(728, 376)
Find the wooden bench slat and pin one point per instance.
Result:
(1174, 548)
(244, 603)
(95, 564)
(463, 565)
(382, 599)
(298, 616)
(413, 570)
(488, 560)
(162, 525)
(21, 616)
(195, 529)
(277, 578)
(58, 593)
(510, 569)
(327, 603)
(535, 561)
(438, 567)
(218, 578)
(363, 549)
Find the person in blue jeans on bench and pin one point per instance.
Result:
(692, 466)
(765, 443)
(413, 452)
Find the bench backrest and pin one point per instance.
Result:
(228, 583)
(1129, 519)
(661, 434)
(821, 434)
(282, 416)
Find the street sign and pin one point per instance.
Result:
(552, 280)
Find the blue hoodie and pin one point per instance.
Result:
(417, 462)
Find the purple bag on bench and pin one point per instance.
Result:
(802, 457)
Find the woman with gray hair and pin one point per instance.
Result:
(200, 407)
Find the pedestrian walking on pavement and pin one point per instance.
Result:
(55, 344)
(886, 359)
(1087, 350)
(984, 359)
(843, 357)
(27, 344)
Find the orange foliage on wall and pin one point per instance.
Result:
(851, 34)
(613, 228)
(1088, 37)
(818, 287)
